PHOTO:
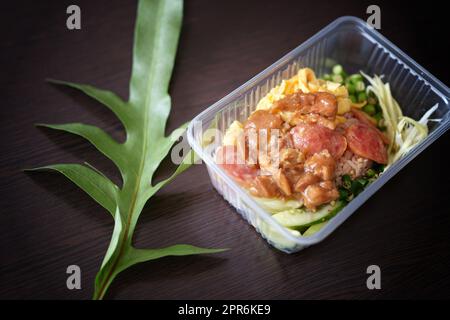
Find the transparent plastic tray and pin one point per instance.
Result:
(351, 43)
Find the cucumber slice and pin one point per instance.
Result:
(299, 218)
(314, 228)
(274, 205)
(277, 239)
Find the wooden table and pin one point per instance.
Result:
(47, 223)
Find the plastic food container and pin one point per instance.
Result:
(350, 42)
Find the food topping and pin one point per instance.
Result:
(322, 103)
(365, 141)
(313, 138)
(307, 133)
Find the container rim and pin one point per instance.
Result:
(440, 88)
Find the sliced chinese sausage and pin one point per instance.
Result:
(365, 141)
(313, 138)
(234, 164)
(364, 118)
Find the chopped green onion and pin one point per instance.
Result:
(369, 109)
(343, 194)
(353, 98)
(354, 78)
(370, 173)
(378, 167)
(356, 187)
(337, 69)
(363, 181)
(378, 116)
(346, 181)
(362, 96)
(351, 188)
(326, 76)
(360, 86)
(337, 78)
(351, 88)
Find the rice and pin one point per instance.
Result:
(351, 164)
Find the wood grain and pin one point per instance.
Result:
(47, 223)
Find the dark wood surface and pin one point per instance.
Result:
(46, 223)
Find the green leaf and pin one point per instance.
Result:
(185, 164)
(105, 97)
(144, 117)
(100, 188)
(115, 238)
(143, 255)
(99, 138)
(135, 256)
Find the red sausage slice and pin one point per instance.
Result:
(364, 118)
(365, 141)
(227, 157)
(313, 138)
